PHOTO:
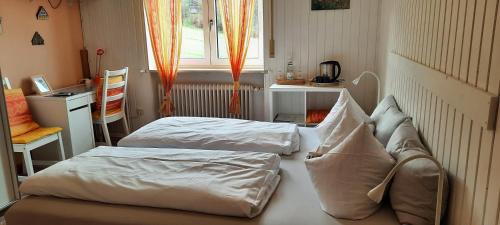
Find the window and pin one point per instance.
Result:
(203, 41)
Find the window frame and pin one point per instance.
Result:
(249, 63)
(211, 60)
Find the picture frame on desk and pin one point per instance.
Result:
(42, 87)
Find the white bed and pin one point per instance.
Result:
(215, 134)
(227, 183)
(294, 203)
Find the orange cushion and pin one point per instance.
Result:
(316, 115)
(114, 105)
(20, 119)
(35, 135)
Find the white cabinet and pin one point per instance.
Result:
(290, 103)
(73, 114)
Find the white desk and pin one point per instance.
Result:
(291, 102)
(72, 113)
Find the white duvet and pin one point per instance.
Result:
(216, 133)
(216, 182)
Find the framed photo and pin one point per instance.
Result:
(41, 85)
(330, 4)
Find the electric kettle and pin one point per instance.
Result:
(329, 72)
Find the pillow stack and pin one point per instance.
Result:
(355, 157)
(414, 188)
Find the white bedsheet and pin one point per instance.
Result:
(216, 182)
(216, 133)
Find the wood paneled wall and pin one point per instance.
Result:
(311, 37)
(460, 38)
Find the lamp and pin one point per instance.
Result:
(377, 193)
(356, 81)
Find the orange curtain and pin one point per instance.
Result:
(165, 29)
(237, 17)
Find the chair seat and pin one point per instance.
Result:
(35, 135)
(97, 114)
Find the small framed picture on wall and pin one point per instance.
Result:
(330, 4)
(42, 87)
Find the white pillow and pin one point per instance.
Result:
(343, 176)
(383, 106)
(347, 120)
(333, 118)
(405, 136)
(414, 187)
(387, 124)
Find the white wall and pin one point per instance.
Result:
(118, 27)
(311, 37)
(461, 39)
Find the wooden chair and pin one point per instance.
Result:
(113, 94)
(26, 134)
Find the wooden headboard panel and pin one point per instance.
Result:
(456, 121)
(474, 103)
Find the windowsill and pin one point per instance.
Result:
(223, 70)
(251, 70)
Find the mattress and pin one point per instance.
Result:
(216, 134)
(294, 203)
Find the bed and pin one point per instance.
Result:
(215, 134)
(293, 203)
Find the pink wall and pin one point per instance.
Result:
(58, 59)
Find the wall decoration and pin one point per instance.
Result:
(1, 26)
(330, 4)
(42, 14)
(37, 39)
(56, 5)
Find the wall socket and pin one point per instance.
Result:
(140, 112)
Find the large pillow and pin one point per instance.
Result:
(326, 127)
(387, 124)
(383, 106)
(344, 175)
(405, 136)
(414, 188)
(348, 119)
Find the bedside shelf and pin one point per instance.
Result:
(289, 103)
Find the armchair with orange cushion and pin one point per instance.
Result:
(26, 134)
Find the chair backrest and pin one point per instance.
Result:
(6, 83)
(20, 119)
(114, 91)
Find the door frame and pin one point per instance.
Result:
(7, 146)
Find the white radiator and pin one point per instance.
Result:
(210, 100)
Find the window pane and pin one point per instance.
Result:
(253, 48)
(192, 30)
